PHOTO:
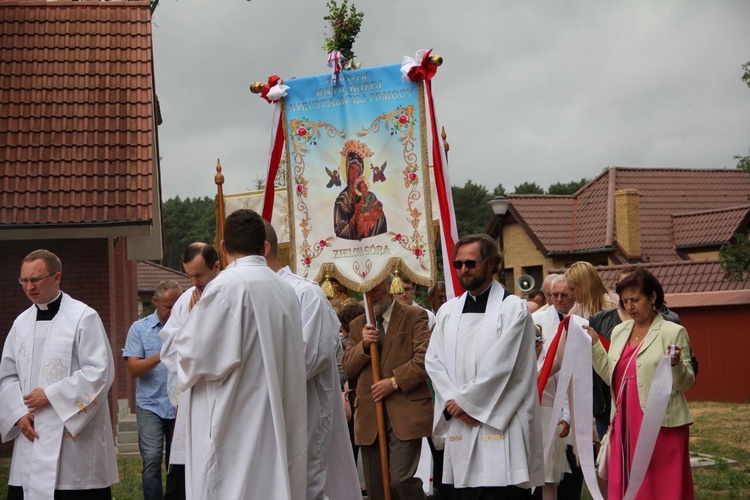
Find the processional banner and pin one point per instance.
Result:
(358, 179)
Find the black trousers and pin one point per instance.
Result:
(16, 493)
(492, 493)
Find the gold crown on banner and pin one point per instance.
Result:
(357, 147)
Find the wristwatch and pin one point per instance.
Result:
(393, 381)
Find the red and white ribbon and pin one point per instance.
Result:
(335, 60)
(272, 92)
(274, 89)
(416, 69)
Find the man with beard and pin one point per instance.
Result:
(482, 364)
(402, 334)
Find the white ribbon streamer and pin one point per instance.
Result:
(653, 415)
(408, 63)
(576, 367)
(277, 92)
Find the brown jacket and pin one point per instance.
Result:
(410, 407)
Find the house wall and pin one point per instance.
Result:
(521, 253)
(720, 337)
(96, 272)
(713, 254)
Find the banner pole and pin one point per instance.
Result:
(220, 214)
(379, 415)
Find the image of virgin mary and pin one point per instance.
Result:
(357, 212)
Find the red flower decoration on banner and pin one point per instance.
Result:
(300, 188)
(412, 176)
(323, 243)
(302, 131)
(306, 261)
(273, 80)
(398, 237)
(424, 71)
(403, 118)
(418, 252)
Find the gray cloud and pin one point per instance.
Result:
(538, 91)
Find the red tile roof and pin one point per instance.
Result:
(677, 277)
(663, 193)
(705, 299)
(546, 214)
(708, 227)
(150, 275)
(77, 113)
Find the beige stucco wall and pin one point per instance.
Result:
(713, 254)
(521, 252)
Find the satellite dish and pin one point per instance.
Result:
(525, 283)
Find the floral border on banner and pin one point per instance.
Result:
(408, 226)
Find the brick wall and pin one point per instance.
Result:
(96, 272)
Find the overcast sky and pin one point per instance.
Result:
(538, 91)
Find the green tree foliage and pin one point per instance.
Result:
(498, 191)
(529, 188)
(735, 255)
(566, 188)
(472, 208)
(344, 21)
(186, 221)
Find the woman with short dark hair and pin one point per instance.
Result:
(638, 345)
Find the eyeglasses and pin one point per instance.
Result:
(33, 281)
(556, 295)
(470, 264)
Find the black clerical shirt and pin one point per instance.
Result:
(51, 310)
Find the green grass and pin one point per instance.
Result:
(129, 487)
(721, 430)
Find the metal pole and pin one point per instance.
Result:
(502, 250)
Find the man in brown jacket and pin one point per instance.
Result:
(403, 390)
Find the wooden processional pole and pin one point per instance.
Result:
(220, 214)
(379, 415)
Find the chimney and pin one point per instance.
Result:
(628, 222)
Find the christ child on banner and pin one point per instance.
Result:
(357, 212)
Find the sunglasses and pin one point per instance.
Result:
(470, 264)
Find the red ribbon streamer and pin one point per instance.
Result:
(273, 80)
(273, 169)
(547, 367)
(552, 351)
(445, 208)
(425, 71)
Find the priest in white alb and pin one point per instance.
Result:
(241, 353)
(201, 263)
(325, 408)
(55, 371)
(482, 364)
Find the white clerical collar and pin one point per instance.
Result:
(44, 307)
(474, 297)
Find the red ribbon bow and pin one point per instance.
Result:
(273, 80)
(425, 71)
